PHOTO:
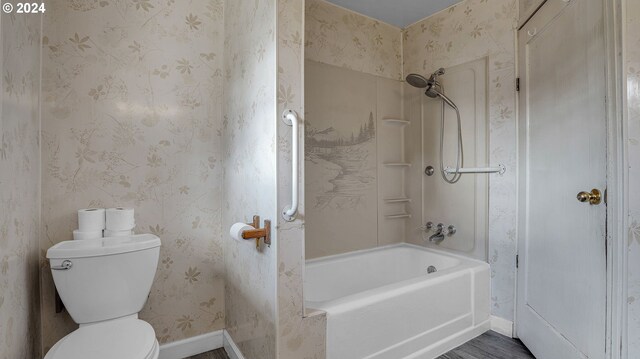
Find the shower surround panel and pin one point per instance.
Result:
(344, 136)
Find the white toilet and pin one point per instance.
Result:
(104, 283)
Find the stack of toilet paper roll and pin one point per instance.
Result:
(94, 223)
(119, 222)
(91, 223)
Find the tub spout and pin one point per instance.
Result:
(436, 237)
(439, 235)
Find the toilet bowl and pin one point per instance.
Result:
(128, 338)
(103, 284)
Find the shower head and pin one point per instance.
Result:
(418, 81)
(432, 86)
(422, 82)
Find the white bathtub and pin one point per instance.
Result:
(382, 303)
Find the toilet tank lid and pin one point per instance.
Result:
(103, 246)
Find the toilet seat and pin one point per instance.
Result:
(121, 338)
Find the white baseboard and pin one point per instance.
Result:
(191, 346)
(502, 326)
(231, 348)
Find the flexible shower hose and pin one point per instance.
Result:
(460, 155)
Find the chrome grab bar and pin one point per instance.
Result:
(66, 265)
(501, 169)
(290, 118)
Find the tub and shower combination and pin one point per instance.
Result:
(399, 301)
(406, 301)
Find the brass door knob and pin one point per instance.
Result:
(594, 197)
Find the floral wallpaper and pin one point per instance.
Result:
(340, 37)
(19, 186)
(250, 178)
(132, 116)
(632, 53)
(467, 31)
(301, 334)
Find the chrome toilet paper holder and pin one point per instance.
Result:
(259, 233)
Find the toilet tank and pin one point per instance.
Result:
(107, 278)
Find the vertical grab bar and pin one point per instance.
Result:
(290, 118)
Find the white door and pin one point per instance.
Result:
(562, 266)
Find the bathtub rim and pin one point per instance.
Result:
(373, 295)
(394, 245)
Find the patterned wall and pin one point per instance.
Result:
(340, 37)
(300, 334)
(459, 34)
(250, 146)
(632, 53)
(19, 186)
(124, 124)
(132, 116)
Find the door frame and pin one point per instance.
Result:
(617, 181)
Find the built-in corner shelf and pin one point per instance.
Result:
(396, 121)
(397, 164)
(397, 216)
(397, 200)
(393, 166)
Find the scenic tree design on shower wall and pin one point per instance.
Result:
(341, 185)
(348, 174)
(366, 133)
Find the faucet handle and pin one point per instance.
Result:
(427, 227)
(451, 230)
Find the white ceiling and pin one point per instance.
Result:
(400, 13)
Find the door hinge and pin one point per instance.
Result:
(518, 84)
(517, 261)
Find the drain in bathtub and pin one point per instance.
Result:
(431, 269)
